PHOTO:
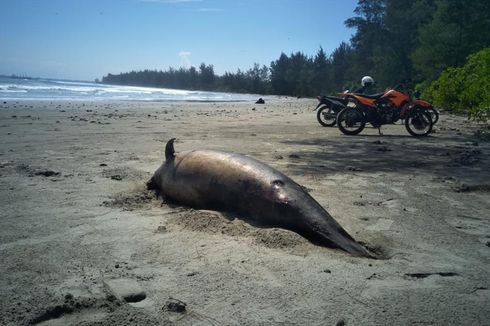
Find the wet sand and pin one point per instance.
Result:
(83, 243)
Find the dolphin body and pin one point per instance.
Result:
(230, 182)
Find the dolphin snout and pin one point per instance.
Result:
(152, 184)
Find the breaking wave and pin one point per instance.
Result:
(50, 89)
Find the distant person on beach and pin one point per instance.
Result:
(366, 82)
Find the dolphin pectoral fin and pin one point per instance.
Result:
(169, 149)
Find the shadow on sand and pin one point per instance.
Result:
(440, 156)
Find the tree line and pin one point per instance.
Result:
(393, 41)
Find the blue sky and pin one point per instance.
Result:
(86, 39)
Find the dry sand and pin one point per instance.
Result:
(80, 236)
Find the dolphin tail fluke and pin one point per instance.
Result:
(169, 149)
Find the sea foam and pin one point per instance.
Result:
(51, 89)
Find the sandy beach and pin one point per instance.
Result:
(82, 242)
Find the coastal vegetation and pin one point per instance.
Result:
(425, 42)
(466, 88)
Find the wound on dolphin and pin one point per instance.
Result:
(236, 183)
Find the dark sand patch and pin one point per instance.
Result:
(472, 188)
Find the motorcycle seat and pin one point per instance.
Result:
(336, 98)
(372, 96)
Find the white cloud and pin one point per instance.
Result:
(185, 59)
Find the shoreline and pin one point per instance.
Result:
(272, 98)
(59, 90)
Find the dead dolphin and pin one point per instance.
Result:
(230, 182)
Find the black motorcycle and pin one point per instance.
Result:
(328, 108)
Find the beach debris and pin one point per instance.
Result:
(374, 276)
(260, 101)
(352, 168)
(161, 229)
(47, 173)
(175, 305)
(424, 275)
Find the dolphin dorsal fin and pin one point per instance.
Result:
(169, 149)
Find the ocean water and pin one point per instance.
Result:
(51, 89)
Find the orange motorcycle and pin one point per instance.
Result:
(385, 108)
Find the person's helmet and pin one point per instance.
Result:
(367, 81)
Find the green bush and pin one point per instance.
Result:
(464, 89)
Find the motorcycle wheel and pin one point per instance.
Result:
(326, 116)
(350, 121)
(419, 123)
(434, 115)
